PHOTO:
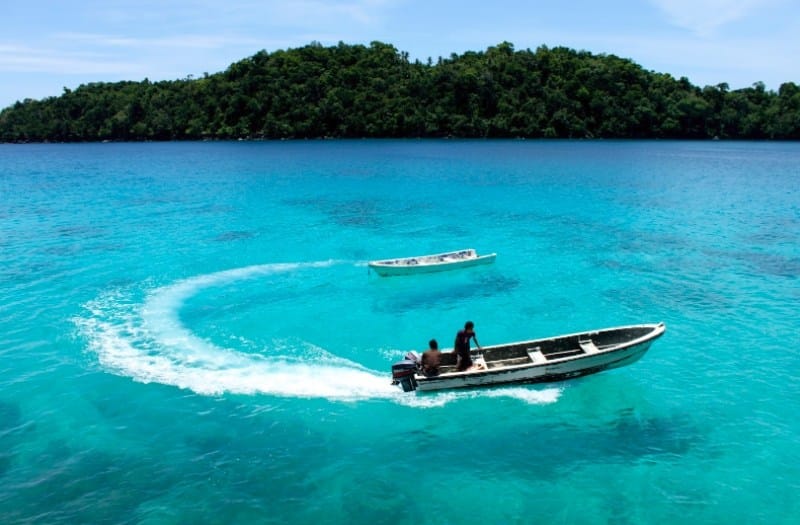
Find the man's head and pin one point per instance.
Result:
(433, 345)
(469, 326)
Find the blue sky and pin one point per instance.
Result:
(48, 45)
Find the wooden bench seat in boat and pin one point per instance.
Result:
(564, 353)
(509, 362)
(588, 346)
(536, 355)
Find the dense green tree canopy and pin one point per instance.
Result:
(375, 91)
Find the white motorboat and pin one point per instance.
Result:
(538, 360)
(431, 263)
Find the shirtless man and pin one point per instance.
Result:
(431, 359)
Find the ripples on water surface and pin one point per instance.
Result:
(190, 334)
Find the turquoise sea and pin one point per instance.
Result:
(189, 332)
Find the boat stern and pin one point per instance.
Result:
(403, 372)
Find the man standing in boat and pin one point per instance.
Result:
(461, 346)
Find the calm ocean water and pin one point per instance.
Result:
(189, 333)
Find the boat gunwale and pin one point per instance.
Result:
(399, 262)
(524, 380)
(657, 329)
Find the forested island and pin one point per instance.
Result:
(354, 91)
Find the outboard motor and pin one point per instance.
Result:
(403, 372)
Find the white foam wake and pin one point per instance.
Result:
(149, 343)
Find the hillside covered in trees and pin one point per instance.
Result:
(376, 91)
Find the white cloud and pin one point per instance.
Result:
(172, 42)
(363, 12)
(704, 17)
(211, 14)
(23, 59)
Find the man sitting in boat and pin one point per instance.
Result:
(431, 359)
(461, 347)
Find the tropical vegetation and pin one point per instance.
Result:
(349, 91)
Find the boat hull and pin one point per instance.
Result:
(387, 270)
(564, 358)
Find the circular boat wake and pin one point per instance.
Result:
(147, 341)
